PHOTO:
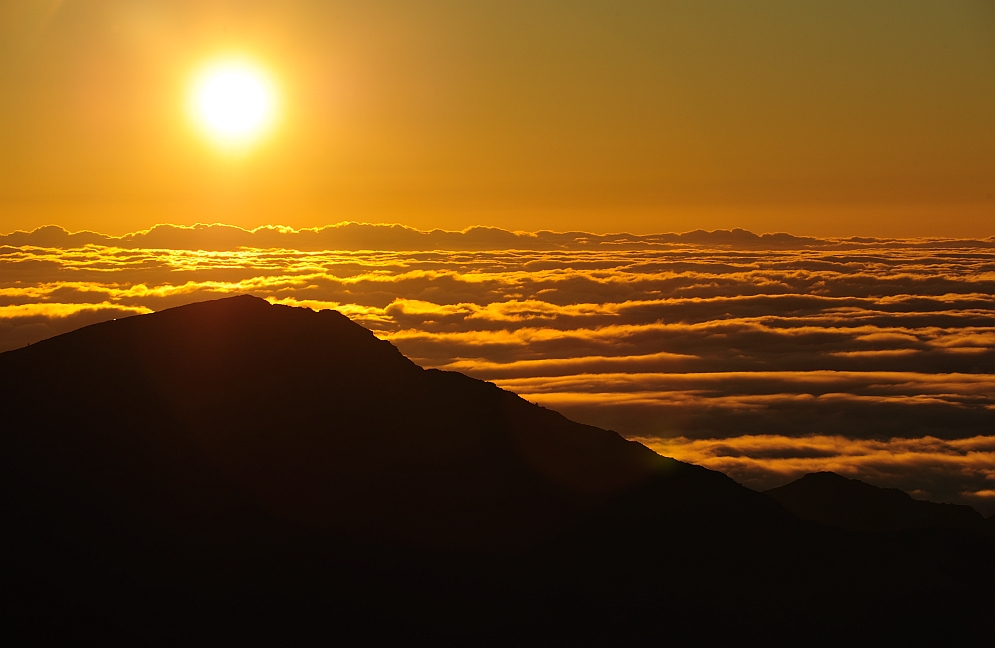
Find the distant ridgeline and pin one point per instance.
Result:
(833, 500)
(364, 236)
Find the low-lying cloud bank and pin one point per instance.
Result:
(952, 470)
(693, 343)
(369, 236)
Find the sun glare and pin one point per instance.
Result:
(234, 102)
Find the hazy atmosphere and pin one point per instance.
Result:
(830, 119)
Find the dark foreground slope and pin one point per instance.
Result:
(834, 500)
(233, 471)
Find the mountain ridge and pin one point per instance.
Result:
(396, 237)
(199, 350)
(236, 471)
(834, 500)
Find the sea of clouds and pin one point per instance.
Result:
(765, 357)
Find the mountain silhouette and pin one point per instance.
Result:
(828, 498)
(311, 419)
(236, 471)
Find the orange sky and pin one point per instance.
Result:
(816, 118)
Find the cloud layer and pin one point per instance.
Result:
(367, 236)
(954, 470)
(687, 342)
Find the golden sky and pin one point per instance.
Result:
(843, 118)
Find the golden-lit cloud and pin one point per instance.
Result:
(656, 337)
(51, 310)
(765, 461)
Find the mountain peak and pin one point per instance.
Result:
(247, 472)
(312, 419)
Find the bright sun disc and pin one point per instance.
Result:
(234, 102)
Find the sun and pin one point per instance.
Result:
(234, 102)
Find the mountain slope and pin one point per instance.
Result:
(239, 472)
(311, 419)
(828, 498)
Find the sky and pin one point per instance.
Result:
(457, 176)
(824, 119)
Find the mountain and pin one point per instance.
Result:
(309, 418)
(239, 472)
(828, 498)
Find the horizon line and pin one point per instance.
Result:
(273, 228)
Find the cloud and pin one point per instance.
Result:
(958, 470)
(25, 324)
(863, 405)
(49, 310)
(366, 236)
(699, 336)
